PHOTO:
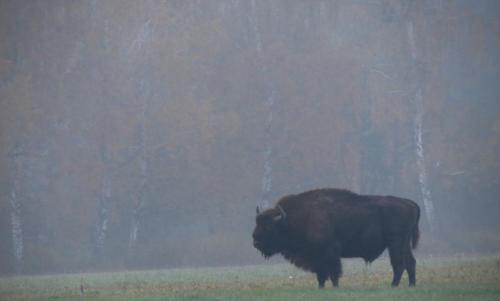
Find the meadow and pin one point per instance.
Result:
(438, 278)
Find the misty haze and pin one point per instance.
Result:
(139, 135)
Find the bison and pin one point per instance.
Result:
(315, 229)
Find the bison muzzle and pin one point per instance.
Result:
(315, 229)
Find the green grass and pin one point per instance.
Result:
(449, 278)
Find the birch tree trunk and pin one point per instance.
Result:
(142, 37)
(15, 215)
(103, 218)
(143, 165)
(418, 103)
(267, 177)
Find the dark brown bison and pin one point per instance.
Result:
(315, 229)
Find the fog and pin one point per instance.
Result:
(143, 134)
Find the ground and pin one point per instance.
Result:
(442, 278)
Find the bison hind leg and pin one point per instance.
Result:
(410, 267)
(397, 257)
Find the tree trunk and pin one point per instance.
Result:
(267, 177)
(17, 231)
(145, 92)
(102, 223)
(15, 215)
(418, 126)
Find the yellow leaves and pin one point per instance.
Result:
(6, 67)
(496, 126)
(192, 121)
(18, 108)
(185, 47)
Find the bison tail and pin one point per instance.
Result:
(415, 236)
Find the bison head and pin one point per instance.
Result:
(269, 232)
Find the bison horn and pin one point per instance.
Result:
(257, 210)
(282, 213)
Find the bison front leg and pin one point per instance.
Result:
(336, 271)
(321, 276)
(330, 267)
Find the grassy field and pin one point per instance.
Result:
(449, 278)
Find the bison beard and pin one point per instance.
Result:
(315, 229)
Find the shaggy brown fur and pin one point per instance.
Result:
(315, 229)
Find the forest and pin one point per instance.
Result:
(143, 134)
